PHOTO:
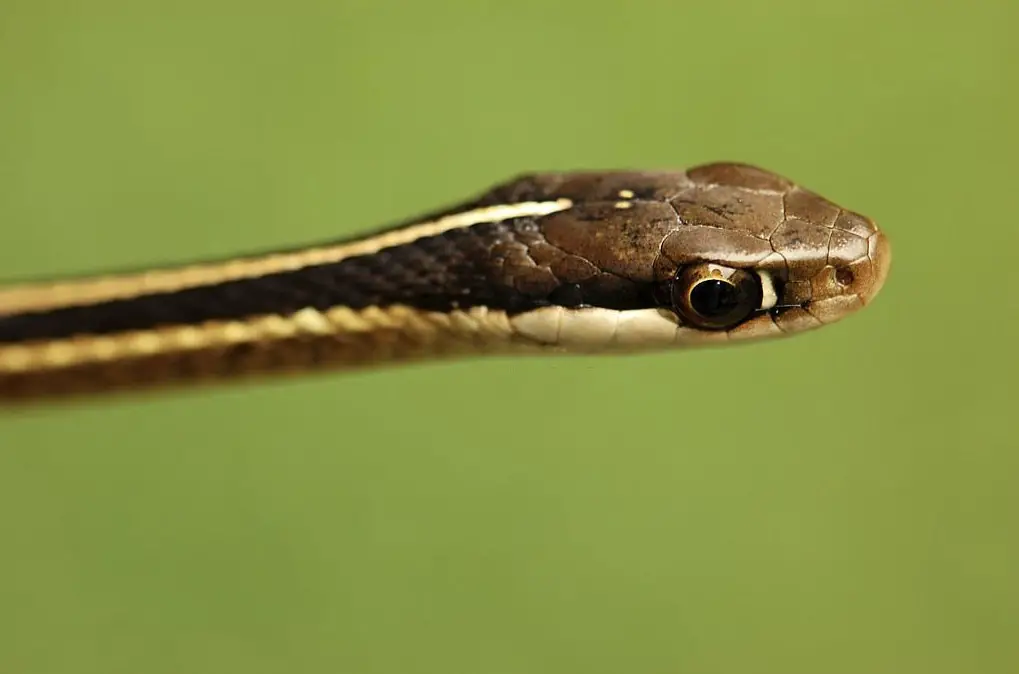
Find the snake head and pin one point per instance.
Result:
(817, 262)
(720, 251)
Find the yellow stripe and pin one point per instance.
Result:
(425, 327)
(55, 295)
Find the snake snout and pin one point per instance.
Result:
(880, 255)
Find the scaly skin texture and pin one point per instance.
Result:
(557, 261)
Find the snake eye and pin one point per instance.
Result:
(715, 297)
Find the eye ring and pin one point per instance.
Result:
(715, 297)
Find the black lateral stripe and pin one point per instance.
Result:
(460, 268)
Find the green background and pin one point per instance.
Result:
(844, 501)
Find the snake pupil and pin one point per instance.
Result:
(712, 298)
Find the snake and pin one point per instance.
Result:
(581, 262)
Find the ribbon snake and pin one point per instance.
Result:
(581, 262)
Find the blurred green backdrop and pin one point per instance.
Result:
(852, 510)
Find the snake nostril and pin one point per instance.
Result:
(844, 276)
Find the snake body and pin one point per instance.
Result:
(551, 262)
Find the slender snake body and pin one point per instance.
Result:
(555, 262)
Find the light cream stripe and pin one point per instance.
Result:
(491, 327)
(585, 330)
(47, 296)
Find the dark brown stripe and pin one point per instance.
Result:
(507, 266)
